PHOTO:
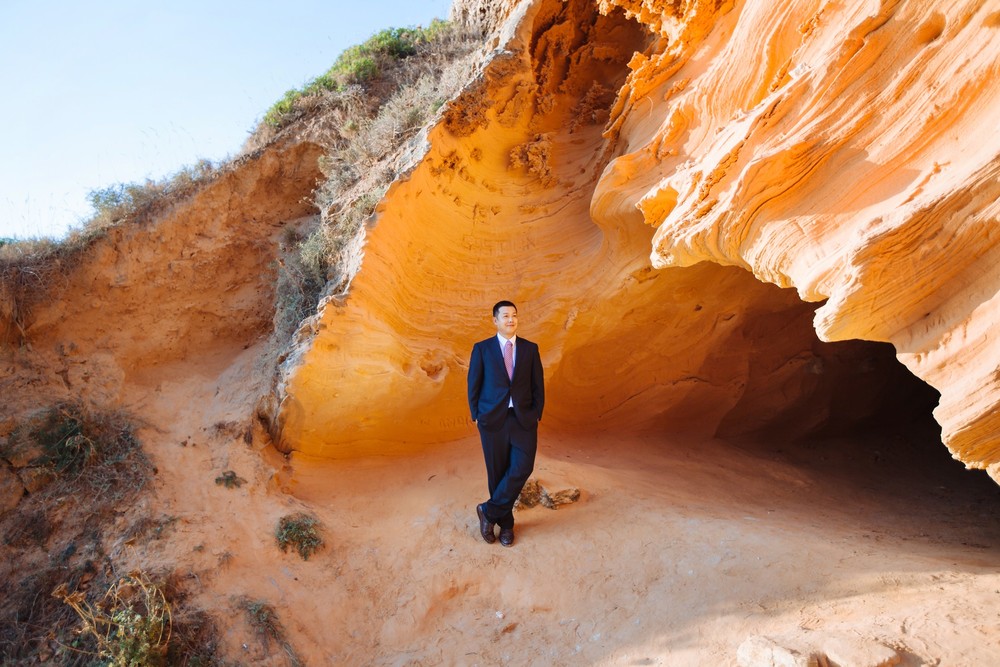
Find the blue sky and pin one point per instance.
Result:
(97, 93)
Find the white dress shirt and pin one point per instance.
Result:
(503, 344)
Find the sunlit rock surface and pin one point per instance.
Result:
(502, 204)
(848, 150)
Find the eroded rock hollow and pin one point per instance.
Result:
(596, 134)
(845, 151)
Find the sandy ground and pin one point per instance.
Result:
(676, 553)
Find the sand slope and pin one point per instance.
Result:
(676, 553)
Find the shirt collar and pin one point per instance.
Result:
(503, 341)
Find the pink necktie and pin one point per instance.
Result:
(508, 359)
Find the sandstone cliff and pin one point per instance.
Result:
(601, 149)
(196, 285)
(717, 219)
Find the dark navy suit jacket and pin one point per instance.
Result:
(490, 390)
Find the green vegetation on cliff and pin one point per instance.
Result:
(359, 64)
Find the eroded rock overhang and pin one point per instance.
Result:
(847, 150)
(514, 199)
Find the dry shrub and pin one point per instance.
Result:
(264, 620)
(90, 451)
(55, 535)
(139, 620)
(323, 253)
(35, 627)
(131, 623)
(298, 287)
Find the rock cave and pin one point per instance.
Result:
(755, 244)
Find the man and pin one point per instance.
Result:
(506, 395)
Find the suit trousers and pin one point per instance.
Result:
(510, 458)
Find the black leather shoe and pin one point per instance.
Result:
(485, 525)
(506, 536)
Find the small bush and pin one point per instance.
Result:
(324, 254)
(301, 532)
(314, 258)
(230, 480)
(354, 65)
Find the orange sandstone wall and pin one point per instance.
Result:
(848, 150)
(502, 204)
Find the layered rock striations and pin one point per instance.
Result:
(512, 197)
(846, 150)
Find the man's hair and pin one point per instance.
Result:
(503, 304)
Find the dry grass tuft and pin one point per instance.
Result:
(131, 202)
(35, 628)
(264, 620)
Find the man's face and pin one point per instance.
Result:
(506, 321)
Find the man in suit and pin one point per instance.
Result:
(506, 395)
